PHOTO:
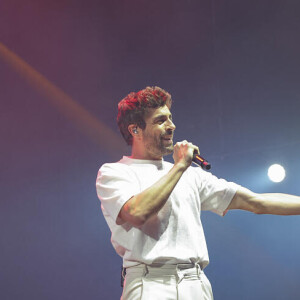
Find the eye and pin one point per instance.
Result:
(160, 121)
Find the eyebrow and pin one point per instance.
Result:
(162, 116)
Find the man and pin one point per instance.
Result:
(153, 207)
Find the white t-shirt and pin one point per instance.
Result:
(175, 234)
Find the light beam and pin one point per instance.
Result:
(83, 119)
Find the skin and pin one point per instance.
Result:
(155, 141)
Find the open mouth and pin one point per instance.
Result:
(168, 139)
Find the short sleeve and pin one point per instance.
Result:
(215, 193)
(115, 186)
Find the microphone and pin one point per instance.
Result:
(201, 162)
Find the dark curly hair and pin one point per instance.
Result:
(133, 108)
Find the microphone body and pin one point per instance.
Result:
(201, 162)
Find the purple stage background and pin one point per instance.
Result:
(233, 70)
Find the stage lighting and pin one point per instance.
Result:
(276, 173)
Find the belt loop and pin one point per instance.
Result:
(146, 270)
(198, 267)
(123, 274)
(178, 275)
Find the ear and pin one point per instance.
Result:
(134, 130)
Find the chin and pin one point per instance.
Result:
(169, 150)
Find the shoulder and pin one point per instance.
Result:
(196, 172)
(112, 170)
(207, 180)
(112, 166)
(115, 166)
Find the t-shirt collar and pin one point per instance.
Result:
(142, 161)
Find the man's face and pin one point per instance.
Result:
(158, 134)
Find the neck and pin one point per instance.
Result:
(138, 153)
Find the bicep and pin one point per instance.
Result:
(114, 189)
(245, 199)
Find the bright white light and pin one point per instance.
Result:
(276, 173)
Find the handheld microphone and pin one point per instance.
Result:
(201, 162)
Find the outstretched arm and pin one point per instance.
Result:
(272, 203)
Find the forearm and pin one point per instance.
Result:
(280, 204)
(147, 203)
(271, 203)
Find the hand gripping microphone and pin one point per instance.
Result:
(201, 162)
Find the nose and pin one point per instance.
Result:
(171, 125)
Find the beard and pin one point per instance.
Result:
(157, 146)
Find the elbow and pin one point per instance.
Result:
(138, 221)
(135, 213)
(133, 217)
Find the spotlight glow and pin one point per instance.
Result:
(276, 173)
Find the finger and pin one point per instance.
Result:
(184, 143)
(191, 148)
(180, 144)
(196, 150)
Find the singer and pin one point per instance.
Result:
(153, 207)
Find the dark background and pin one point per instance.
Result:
(232, 68)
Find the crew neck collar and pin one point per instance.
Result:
(142, 161)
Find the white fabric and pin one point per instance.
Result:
(169, 282)
(175, 234)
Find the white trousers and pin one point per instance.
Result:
(166, 282)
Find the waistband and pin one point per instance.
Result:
(165, 266)
(171, 269)
(156, 269)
